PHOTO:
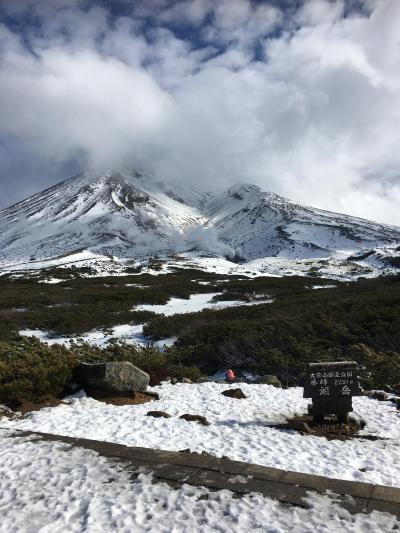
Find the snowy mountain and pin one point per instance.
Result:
(264, 224)
(127, 215)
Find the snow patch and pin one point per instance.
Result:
(195, 304)
(242, 430)
(50, 486)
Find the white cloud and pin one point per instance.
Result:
(241, 23)
(67, 101)
(188, 11)
(316, 118)
(316, 12)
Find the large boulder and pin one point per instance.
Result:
(115, 376)
(269, 379)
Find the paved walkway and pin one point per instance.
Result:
(208, 471)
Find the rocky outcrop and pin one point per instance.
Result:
(269, 379)
(379, 395)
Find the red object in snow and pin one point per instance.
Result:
(230, 375)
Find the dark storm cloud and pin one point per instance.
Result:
(302, 98)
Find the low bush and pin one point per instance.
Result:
(31, 370)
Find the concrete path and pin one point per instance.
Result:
(208, 471)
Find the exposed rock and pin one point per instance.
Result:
(186, 380)
(357, 422)
(174, 381)
(234, 393)
(379, 395)
(328, 427)
(396, 389)
(300, 426)
(158, 414)
(195, 418)
(203, 379)
(269, 379)
(115, 376)
(396, 402)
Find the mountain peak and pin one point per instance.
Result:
(127, 214)
(241, 191)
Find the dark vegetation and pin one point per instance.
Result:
(358, 320)
(32, 370)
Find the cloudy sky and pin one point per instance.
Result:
(299, 96)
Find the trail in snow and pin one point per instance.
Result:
(50, 487)
(239, 429)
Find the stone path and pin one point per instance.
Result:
(208, 471)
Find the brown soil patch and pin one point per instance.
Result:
(122, 398)
(330, 428)
(234, 393)
(26, 406)
(158, 414)
(195, 418)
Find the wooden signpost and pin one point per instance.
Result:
(331, 387)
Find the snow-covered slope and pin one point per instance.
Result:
(128, 215)
(116, 214)
(260, 224)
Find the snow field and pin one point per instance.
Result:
(49, 487)
(335, 268)
(239, 429)
(195, 304)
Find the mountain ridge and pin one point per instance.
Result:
(126, 214)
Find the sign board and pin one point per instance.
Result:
(332, 380)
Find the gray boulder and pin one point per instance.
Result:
(269, 379)
(379, 395)
(115, 376)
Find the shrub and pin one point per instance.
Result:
(31, 370)
(356, 320)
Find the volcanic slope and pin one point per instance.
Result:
(129, 215)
